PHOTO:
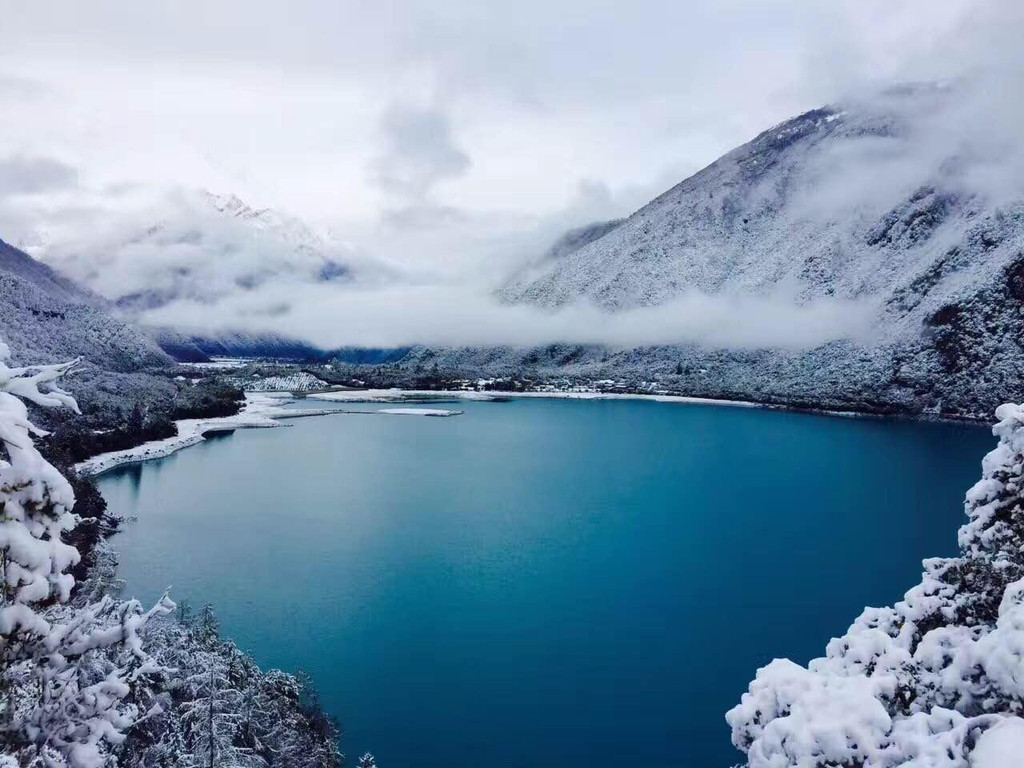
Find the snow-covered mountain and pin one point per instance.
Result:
(197, 347)
(199, 247)
(195, 246)
(898, 203)
(45, 317)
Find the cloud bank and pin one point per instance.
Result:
(436, 148)
(401, 316)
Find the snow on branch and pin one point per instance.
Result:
(935, 681)
(66, 673)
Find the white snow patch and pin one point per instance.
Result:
(296, 382)
(373, 396)
(219, 364)
(419, 412)
(1002, 746)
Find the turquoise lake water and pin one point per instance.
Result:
(544, 582)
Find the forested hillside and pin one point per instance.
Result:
(889, 205)
(44, 317)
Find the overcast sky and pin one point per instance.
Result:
(343, 111)
(443, 124)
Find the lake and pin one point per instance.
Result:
(544, 582)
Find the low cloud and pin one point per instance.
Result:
(957, 137)
(455, 316)
(189, 244)
(953, 124)
(21, 175)
(20, 88)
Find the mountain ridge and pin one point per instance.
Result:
(839, 203)
(46, 317)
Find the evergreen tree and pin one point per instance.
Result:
(136, 422)
(211, 714)
(66, 672)
(367, 761)
(207, 627)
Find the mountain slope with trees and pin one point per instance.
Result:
(45, 316)
(890, 203)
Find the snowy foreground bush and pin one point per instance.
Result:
(937, 680)
(87, 681)
(66, 673)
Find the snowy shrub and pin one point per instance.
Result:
(220, 709)
(72, 678)
(937, 680)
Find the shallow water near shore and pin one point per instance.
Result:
(544, 582)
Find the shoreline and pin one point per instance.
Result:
(396, 395)
(261, 411)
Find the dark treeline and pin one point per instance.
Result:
(77, 436)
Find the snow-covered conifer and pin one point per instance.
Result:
(207, 628)
(212, 714)
(66, 672)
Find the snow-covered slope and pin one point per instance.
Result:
(300, 381)
(934, 681)
(197, 347)
(194, 246)
(885, 203)
(45, 317)
(200, 247)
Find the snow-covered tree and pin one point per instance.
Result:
(206, 628)
(259, 719)
(212, 714)
(66, 672)
(935, 681)
(367, 761)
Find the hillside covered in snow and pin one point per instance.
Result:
(205, 248)
(198, 246)
(934, 681)
(128, 388)
(44, 316)
(901, 205)
(199, 346)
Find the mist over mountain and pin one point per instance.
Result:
(203, 248)
(865, 254)
(902, 204)
(196, 246)
(45, 317)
